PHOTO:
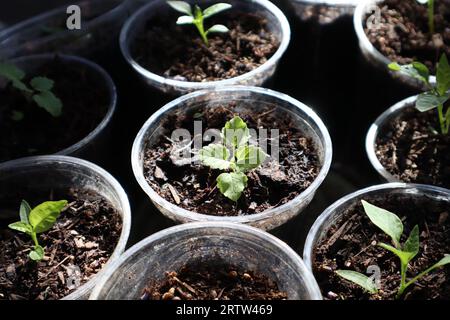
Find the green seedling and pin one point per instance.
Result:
(39, 90)
(430, 14)
(392, 225)
(37, 220)
(436, 96)
(243, 157)
(197, 17)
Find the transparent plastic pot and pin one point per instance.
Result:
(245, 247)
(372, 135)
(45, 173)
(311, 9)
(277, 23)
(344, 205)
(94, 144)
(100, 27)
(306, 120)
(371, 54)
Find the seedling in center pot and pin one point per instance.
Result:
(392, 225)
(437, 95)
(430, 14)
(39, 90)
(38, 220)
(197, 16)
(243, 157)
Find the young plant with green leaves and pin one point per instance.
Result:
(430, 14)
(243, 157)
(436, 96)
(392, 226)
(38, 220)
(196, 16)
(39, 90)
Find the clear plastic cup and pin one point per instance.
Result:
(370, 53)
(372, 135)
(338, 209)
(307, 121)
(34, 174)
(309, 9)
(277, 23)
(94, 144)
(169, 250)
(100, 27)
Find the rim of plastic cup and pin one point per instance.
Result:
(193, 216)
(310, 282)
(190, 85)
(118, 190)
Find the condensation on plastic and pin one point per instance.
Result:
(101, 23)
(91, 146)
(375, 57)
(46, 173)
(372, 135)
(249, 99)
(168, 250)
(338, 209)
(312, 9)
(277, 23)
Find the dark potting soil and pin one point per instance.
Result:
(192, 186)
(76, 248)
(411, 152)
(351, 244)
(403, 36)
(323, 14)
(179, 53)
(200, 281)
(85, 103)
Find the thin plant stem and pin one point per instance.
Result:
(403, 280)
(442, 119)
(431, 16)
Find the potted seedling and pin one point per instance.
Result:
(178, 46)
(269, 155)
(384, 242)
(53, 104)
(208, 261)
(410, 142)
(101, 21)
(62, 220)
(403, 31)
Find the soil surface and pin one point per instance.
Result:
(351, 244)
(201, 281)
(179, 53)
(413, 152)
(323, 14)
(85, 103)
(403, 35)
(192, 186)
(76, 248)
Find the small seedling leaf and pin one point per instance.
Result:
(37, 254)
(181, 6)
(412, 244)
(428, 101)
(444, 261)
(249, 157)
(185, 20)
(24, 211)
(415, 70)
(443, 75)
(359, 279)
(231, 185)
(219, 28)
(215, 9)
(22, 227)
(44, 216)
(387, 221)
(235, 132)
(42, 84)
(11, 72)
(405, 257)
(215, 156)
(49, 102)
